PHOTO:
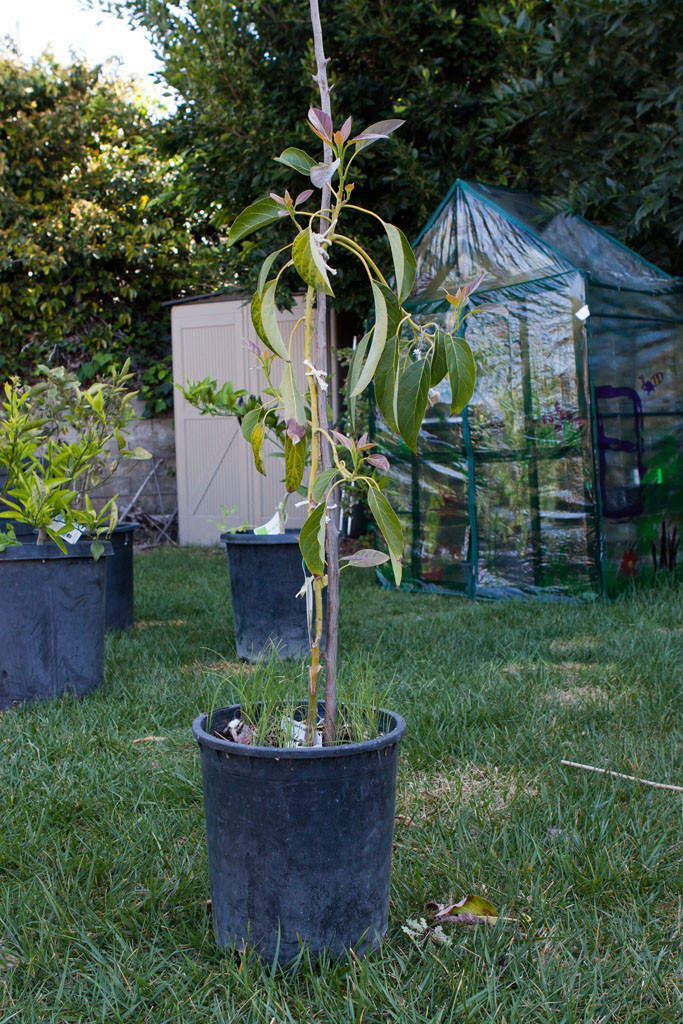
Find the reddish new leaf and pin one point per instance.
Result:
(321, 123)
(343, 439)
(379, 462)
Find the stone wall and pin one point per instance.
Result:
(158, 495)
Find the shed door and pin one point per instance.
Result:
(215, 467)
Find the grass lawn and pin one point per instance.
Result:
(103, 871)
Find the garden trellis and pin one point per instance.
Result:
(563, 474)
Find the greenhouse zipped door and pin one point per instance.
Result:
(500, 500)
(538, 487)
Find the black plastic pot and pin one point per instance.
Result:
(266, 573)
(52, 614)
(120, 592)
(299, 840)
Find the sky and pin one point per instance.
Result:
(64, 25)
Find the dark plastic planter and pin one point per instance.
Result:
(120, 592)
(299, 840)
(266, 573)
(52, 614)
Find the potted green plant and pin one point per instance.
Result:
(264, 562)
(52, 578)
(299, 836)
(99, 415)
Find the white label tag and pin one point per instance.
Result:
(271, 527)
(72, 537)
(295, 733)
(583, 313)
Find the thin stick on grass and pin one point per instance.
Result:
(619, 775)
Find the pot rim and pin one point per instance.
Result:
(205, 739)
(290, 536)
(126, 527)
(50, 552)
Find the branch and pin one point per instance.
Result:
(619, 775)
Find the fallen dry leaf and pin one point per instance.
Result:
(151, 739)
(420, 932)
(471, 909)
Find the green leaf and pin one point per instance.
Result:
(249, 422)
(379, 337)
(411, 404)
(291, 397)
(312, 541)
(295, 463)
(265, 270)
(255, 310)
(53, 535)
(366, 557)
(257, 436)
(462, 372)
(297, 159)
(138, 453)
(439, 366)
(270, 330)
(97, 550)
(386, 377)
(395, 314)
(260, 213)
(321, 483)
(387, 520)
(353, 375)
(405, 264)
(309, 261)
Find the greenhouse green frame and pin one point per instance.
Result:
(563, 476)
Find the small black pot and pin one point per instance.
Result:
(52, 614)
(299, 840)
(266, 573)
(120, 592)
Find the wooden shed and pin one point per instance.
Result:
(215, 467)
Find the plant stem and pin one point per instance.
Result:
(331, 538)
(281, 513)
(314, 668)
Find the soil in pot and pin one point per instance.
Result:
(299, 839)
(266, 573)
(52, 608)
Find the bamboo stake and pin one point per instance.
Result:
(619, 775)
(332, 540)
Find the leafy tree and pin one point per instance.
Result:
(93, 238)
(597, 116)
(580, 99)
(244, 72)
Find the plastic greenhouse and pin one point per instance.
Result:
(563, 476)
